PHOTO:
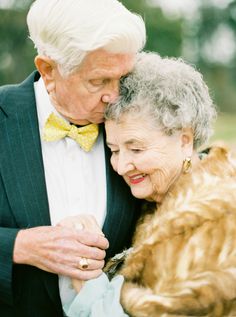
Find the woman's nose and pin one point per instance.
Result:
(124, 165)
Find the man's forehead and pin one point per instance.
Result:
(108, 64)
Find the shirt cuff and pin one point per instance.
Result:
(98, 298)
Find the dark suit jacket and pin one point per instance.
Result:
(24, 290)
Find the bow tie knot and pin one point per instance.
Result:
(73, 132)
(57, 128)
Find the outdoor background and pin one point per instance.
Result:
(203, 32)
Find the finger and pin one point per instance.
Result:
(77, 284)
(76, 273)
(92, 239)
(91, 264)
(79, 226)
(92, 225)
(89, 253)
(85, 275)
(82, 221)
(70, 251)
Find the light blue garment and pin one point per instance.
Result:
(98, 298)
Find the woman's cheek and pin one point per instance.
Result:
(113, 161)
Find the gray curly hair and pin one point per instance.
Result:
(169, 91)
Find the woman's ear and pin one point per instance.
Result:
(187, 141)
(46, 67)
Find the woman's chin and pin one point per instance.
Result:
(140, 195)
(145, 196)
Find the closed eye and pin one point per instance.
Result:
(98, 82)
(136, 150)
(114, 151)
(95, 85)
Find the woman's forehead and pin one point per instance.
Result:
(129, 131)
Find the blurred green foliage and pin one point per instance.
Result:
(225, 128)
(192, 37)
(16, 49)
(163, 35)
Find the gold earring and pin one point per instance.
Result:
(187, 165)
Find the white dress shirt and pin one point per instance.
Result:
(75, 179)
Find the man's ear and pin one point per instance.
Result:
(187, 141)
(46, 67)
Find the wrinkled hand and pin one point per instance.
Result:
(80, 222)
(58, 250)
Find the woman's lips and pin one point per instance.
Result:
(136, 179)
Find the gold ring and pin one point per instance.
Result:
(83, 263)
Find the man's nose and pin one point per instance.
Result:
(113, 96)
(112, 93)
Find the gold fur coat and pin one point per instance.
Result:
(184, 258)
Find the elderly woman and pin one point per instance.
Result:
(183, 260)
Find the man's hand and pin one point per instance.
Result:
(80, 222)
(59, 249)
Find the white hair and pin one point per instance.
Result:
(169, 92)
(67, 30)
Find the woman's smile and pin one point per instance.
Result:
(136, 179)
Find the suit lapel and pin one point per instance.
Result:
(21, 159)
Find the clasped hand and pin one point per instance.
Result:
(59, 249)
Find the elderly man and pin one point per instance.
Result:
(54, 162)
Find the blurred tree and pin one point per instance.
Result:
(163, 35)
(212, 34)
(16, 50)
(207, 39)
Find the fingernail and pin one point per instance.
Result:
(79, 226)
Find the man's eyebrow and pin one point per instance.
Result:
(99, 74)
(106, 73)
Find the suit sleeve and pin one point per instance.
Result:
(7, 240)
(8, 232)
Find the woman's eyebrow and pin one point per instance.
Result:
(133, 141)
(109, 144)
(128, 142)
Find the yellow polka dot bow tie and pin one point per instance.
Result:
(57, 128)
